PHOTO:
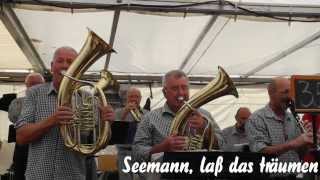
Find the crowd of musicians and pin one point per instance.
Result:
(36, 117)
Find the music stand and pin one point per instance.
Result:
(6, 100)
(119, 131)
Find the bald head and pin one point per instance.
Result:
(242, 116)
(33, 79)
(278, 91)
(277, 83)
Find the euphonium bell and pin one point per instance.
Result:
(220, 86)
(86, 133)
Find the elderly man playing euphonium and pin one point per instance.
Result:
(153, 133)
(39, 124)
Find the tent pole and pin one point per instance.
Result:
(283, 54)
(15, 28)
(202, 35)
(115, 22)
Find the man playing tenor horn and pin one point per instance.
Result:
(39, 124)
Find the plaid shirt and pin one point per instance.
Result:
(264, 129)
(48, 157)
(232, 137)
(155, 127)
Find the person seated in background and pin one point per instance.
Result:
(133, 99)
(15, 107)
(21, 151)
(132, 105)
(235, 136)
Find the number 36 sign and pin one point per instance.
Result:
(305, 91)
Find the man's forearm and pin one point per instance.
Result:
(156, 149)
(279, 149)
(33, 131)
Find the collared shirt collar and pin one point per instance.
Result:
(235, 132)
(52, 89)
(166, 110)
(272, 115)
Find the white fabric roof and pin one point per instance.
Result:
(10, 54)
(294, 2)
(152, 44)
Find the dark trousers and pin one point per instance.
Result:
(91, 173)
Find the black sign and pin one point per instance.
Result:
(306, 93)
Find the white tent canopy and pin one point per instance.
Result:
(150, 42)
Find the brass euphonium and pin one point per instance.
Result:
(220, 86)
(86, 133)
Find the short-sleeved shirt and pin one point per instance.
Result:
(20, 155)
(15, 109)
(233, 137)
(264, 129)
(48, 158)
(155, 127)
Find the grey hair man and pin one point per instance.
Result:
(15, 107)
(132, 104)
(153, 136)
(21, 151)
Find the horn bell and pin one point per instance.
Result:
(220, 86)
(86, 133)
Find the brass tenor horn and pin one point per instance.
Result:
(86, 133)
(220, 86)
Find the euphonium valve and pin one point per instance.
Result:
(220, 86)
(86, 133)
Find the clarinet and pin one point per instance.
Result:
(295, 115)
